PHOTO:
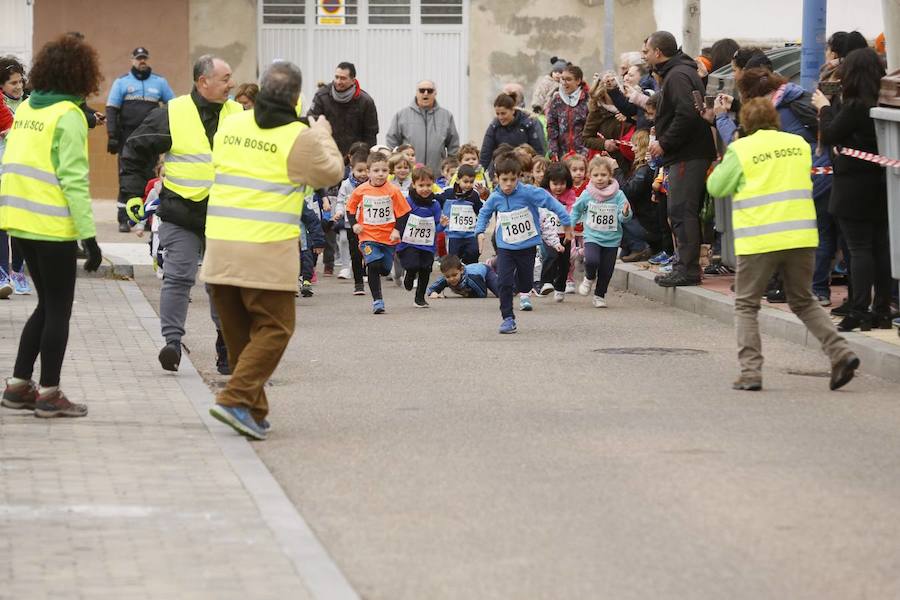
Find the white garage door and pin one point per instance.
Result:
(17, 18)
(393, 43)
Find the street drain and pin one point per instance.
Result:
(803, 373)
(652, 351)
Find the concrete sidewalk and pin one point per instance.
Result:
(146, 497)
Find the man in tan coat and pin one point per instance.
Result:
(265, 160)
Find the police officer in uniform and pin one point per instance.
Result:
(265, 161)
(183, 131)
(45, 205)
(768, 174)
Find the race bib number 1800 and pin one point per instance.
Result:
(602, 216)
(419, 231)
(517, 226)
(378, 210)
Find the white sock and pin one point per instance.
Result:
(16, 381)
(43, 391)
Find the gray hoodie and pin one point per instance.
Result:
(431, 132)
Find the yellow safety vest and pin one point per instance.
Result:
(31, 199)
(253, 199)
(774, 209)
(189, 169)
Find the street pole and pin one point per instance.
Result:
(609, 35)
(813, 52)
(691, 29)
(890, 9)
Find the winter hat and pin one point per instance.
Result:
(559, 64)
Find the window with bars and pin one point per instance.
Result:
(442, 12)
(389, 12)
(332, 12)
(284, 12)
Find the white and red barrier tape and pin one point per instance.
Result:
(884, 161)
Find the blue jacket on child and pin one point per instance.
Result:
(425, 208)
(475, 282)
(524, 196)
(452, 197)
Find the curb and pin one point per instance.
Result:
(112, 267)
(320, 575)
(878, 358)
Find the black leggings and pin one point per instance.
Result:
(52, 267)
(869, 243)
(356, 259)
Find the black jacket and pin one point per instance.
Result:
(681, 131)
(859, 188)
(638, 188)
(521, 130)
(355, 121)
(140, 153)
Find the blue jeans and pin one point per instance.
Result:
(17, 259)
(828, 241)
(634, 237)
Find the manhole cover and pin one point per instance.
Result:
(652, 351)
(803, 373)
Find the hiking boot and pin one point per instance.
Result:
(643, 255)
(843, 371)
(20, 397)
(55, 404)
(677, 279)
(746, 384)
(170, 356)
(239, 419)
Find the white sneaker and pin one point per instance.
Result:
(570, 287)
(585, 287)
(599, 302)
(344, 274)
(546, 289)
(558, 296)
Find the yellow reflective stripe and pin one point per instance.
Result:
(764, 199)
(258, 185)
(32, 172)
(188, 158)
(233, 212)
(780, 227)
(35, 207)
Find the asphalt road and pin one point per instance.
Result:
(595, 454)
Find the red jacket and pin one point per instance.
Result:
(6, 117)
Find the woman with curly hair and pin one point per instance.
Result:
(45, 206)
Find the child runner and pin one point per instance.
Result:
(577, 165)
(312, 242)
(347, 240)
(469, 281)
(417, 246)
(401, 167)
(539, 166)
(468, 155)
(448, 169)
(461, 207)
(604, 208)
(377, 213)
(557, 181)
(517, 207)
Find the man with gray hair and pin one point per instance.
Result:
(429, 128)
(183, 131)
(265, 161)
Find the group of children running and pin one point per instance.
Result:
(398, 217)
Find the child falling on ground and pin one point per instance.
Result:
(469, 281)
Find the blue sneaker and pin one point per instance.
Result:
(20, 283)
(265, 425)
(659, 259)
(378, 307)
(239, 419)
(525, 304)
(508, 325)
(6, 286)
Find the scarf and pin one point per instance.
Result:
(419, 200)
(570, 99)
(270, 113)
(606, 193)
(347, 95)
